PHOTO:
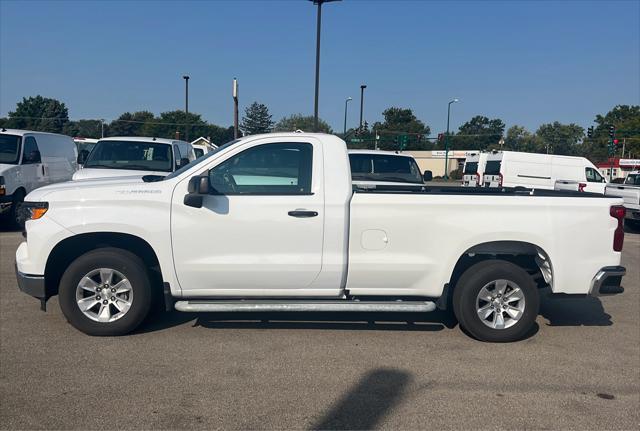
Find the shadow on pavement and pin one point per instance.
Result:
(434, 321)
(580, 311)
(367, 403)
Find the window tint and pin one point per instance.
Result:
(30, 154)
(270, 169)
(471, 168)
(593, 176)
(633, 179)
(136, 155)
(493, 167)
(384, 167)
(9, 148)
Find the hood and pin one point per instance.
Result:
(90, 173)
(87, 186)
(5, 167)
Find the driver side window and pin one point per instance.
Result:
(268, 169)
(30, 153)
(593, 176)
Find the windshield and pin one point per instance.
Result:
(144, 156)
(633, 179)
(9, 149)
(471, 168)
(492, 168)
(384, 167)
(199, 159)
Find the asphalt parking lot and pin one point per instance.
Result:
(580, 370)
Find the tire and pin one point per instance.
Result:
(486, 280)
(18, 198)
(130, 280)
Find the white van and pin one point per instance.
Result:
(29, 160)
(473, 169)
(202, 149)
(540, 171)
(134, 156)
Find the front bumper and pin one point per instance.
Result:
(33, 285)
(607, 281)
(632, 213)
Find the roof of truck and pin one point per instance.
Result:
(143, 139)
(390, 153)
(21, 132)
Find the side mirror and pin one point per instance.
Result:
(33, 157)
(428, 176)
(198, 186)
(82, 156)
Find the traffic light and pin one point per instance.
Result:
(616, 144)
(590, 132)
(612, 131)
(440, 137)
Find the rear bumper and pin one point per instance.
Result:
(607, 281)
(32, 284)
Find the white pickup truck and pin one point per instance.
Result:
(272, 223)
(629, 191)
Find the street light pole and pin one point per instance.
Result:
(362, 87)
(186, 106)
(446, 141)
(235, 108)
(318, 26)
(346, 102)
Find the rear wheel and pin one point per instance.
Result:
(496, 301)
(105, 292)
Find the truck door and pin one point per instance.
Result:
(33, 170)
(261, 227)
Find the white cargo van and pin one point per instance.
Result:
(473, 169)
(29, 160)
(134, 156)
(541, 171)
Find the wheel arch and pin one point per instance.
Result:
(531, 257)
(69, 249)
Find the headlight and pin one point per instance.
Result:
(32, 210)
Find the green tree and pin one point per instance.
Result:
(560, 138)
(520, 139)
(84, 128)
(172, 123)
(129, 124)
(301, 122)
(479, 133)
(256, 119)
(39, 113)
(401, 120)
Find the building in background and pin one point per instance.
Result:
(621, 168)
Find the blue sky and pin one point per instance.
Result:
(524, 62)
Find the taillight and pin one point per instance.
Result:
(499, 180)
(617, 212)
(581, 187)
(478, 180)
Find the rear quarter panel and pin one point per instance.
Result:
(403, 244)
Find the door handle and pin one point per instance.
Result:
(302, 213)
(43, 170)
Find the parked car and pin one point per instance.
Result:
(29, 160)
(137, 156)
(272, 223)
(540, 171)
(630, 193)
(374, 168)
(473, 170)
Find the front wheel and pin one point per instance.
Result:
(496, 301)
(105, 292)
